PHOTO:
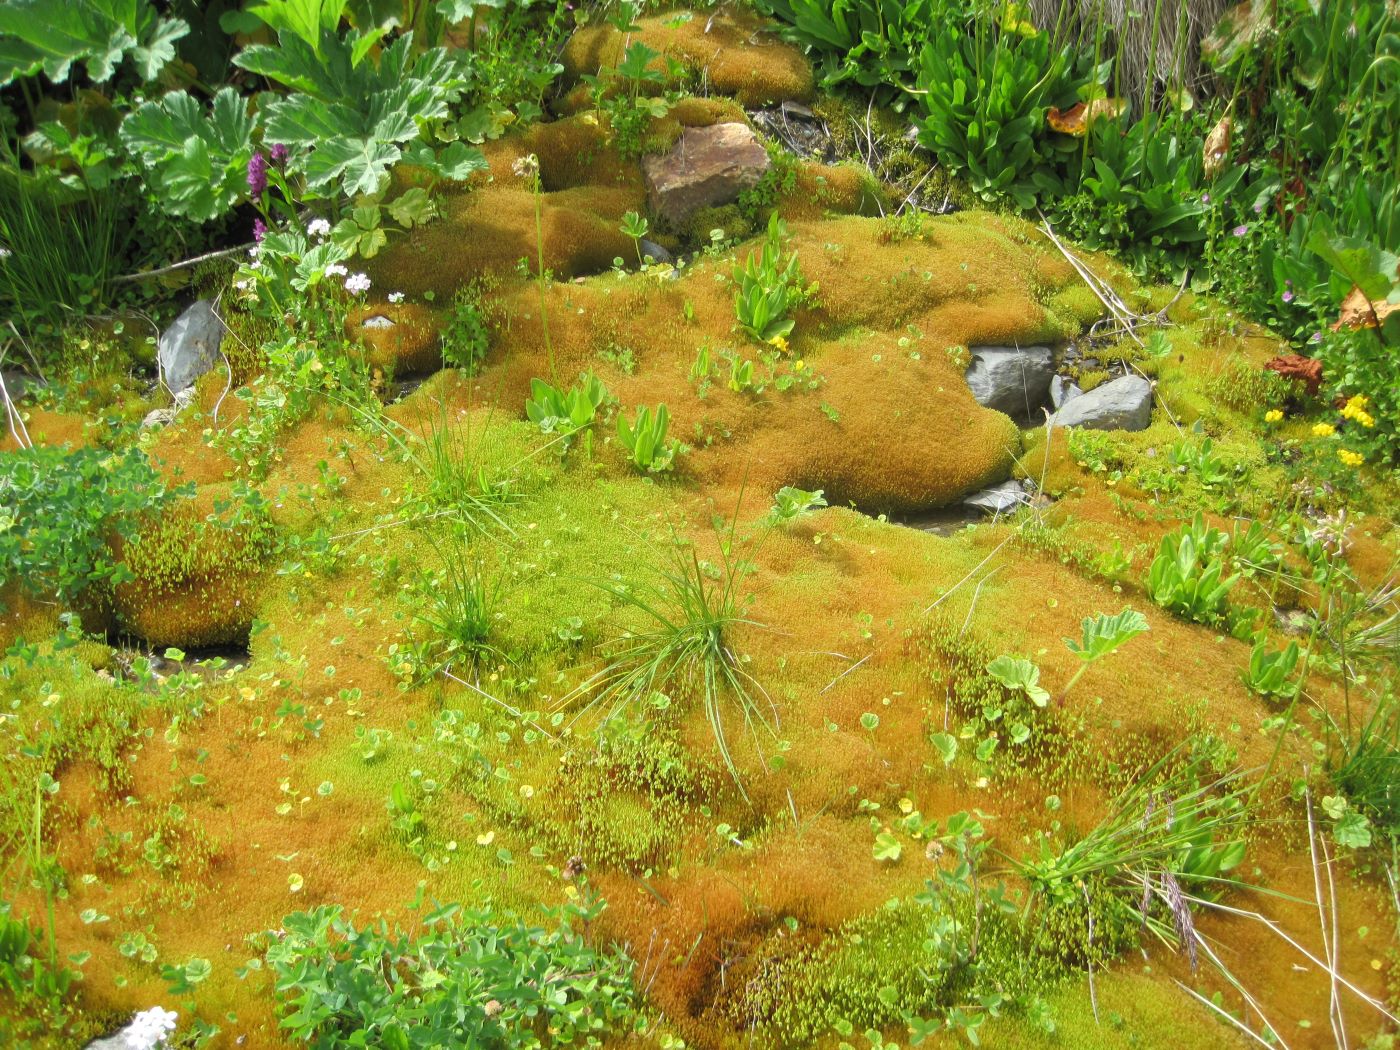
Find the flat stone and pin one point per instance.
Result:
(999, 499)
(1122, 404)
(190, 346)
(1011, 379)
(377, 321)
(1063, 389)
(708, 167)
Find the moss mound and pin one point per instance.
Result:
(729, 49)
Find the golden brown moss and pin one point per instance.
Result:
(489, 232)
(572, 152)
(840, 189)
(410, 344)
(729, 49)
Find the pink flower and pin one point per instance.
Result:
(259, 230)
(1240, 231)
(279, 155)
(257, 174)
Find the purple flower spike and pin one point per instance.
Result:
(257, 174)
(279, 153)
(1288, 297)
(259, 230)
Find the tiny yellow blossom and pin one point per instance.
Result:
(780, 343)
(1350, 458)
(1273, 415)
(799, 365)
(1323, 430)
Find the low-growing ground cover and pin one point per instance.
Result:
(514, 639)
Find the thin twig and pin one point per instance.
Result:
(514, 711)
(847, 671)
(185, 264)
(14, 418)
(1227, 1016)
(1278, 931)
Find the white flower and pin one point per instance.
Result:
(149, 1028)
(336, 270)
(357, 283)
(319, 228)
(242, 286)
(255, 251)
(396, 297)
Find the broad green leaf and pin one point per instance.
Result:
(1102, 634)
(355, 166)
(946, 745)
(1019, 673)
(461, 10)
(51, 35)
(199, 159)
(413, 207)
(886, 847)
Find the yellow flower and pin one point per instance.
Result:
(1273, 415)
(799, 365)
(780, 343)
(1323, 430)
(1350, 458)
(1355, 409)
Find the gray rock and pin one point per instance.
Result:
(708, 167)
(16, 384)
(377, 321)
(1062, 389)
(999, 499)
(1011, 379)
(1123, 404)
(163, 417)
(190, 346)
(653, 252)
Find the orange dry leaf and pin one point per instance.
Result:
(1359, 312)
(1217, 147)
(1076, 119)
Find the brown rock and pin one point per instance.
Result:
(708, 167)
(1307, 370)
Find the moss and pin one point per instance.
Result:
(410, 344)
(1077, 301)
(718, 48)
(490, 232)
(841, 189)
(690, 112)
(730, 218)
(1090, 378)
(197, 575)
(1134, 1012)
